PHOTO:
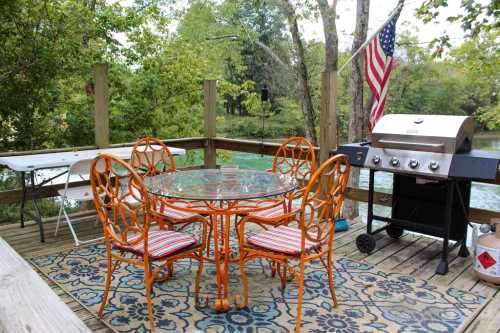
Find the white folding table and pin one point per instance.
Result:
(34, 162)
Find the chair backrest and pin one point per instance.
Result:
(296, 158)
(323, 198)
(121, 200)
(150, 156)
(80, 168)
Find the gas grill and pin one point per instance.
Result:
(433, 165)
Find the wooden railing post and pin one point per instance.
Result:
(101, 105)
(328, 115)
(209, 117)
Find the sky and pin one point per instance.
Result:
(379, 12)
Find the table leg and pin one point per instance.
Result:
(38, 215)
(221, 239)
(23, 200)
(227, 254)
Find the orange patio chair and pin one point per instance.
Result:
(296, 158)
(313, 239)
(151, 157)
(124, 208)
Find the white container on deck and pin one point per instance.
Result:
(487, 255)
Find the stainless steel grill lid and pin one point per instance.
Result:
(429, 133)
(435, 146)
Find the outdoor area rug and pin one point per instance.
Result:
(369, 300)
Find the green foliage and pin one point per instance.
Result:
(285, 122)
(159, 52)
(479, 61)
(39, 40)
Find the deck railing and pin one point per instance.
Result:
(210, 146)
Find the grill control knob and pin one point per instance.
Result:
(413, 164)
(433, 166)
(394, 161)
(376, 159)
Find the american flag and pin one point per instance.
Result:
(378, 66)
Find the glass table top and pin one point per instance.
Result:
(216, 184)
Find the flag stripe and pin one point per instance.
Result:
(375, 72)
(372, 82)
(380, 56)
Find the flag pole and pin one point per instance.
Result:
(368, 40)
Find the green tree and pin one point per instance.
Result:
(42, 41)
(478, 17)
(478, 59)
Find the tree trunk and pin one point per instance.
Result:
(357, 116)
(328, 16)
(302, 75)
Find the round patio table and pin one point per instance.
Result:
(221, 193)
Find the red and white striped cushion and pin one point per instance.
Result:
(282, 239)
(177, 214)
(161, 243)
(274, 212)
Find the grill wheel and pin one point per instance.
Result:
(365, 243)
(394, 231)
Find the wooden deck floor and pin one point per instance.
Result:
(412, 254)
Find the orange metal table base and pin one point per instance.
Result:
(220, 214)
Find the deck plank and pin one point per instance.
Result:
(28, 304)
(421, 259)
(408, 252)
(391, 249)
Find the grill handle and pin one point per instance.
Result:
(437, 147)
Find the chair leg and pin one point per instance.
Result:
(244, 278)
(301, 292)
(209, 238)
(330, 268)
(109, 272)
(148, 281)
(68, 221)
(274, 267)
(198, 278)
(283, 275)
(59, 217)
(237, 227)
(170, 266)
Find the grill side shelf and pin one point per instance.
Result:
(476, 164)
(356, 153)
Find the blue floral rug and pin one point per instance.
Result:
(369, 300)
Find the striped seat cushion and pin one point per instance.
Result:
(161, 243)
(274, 212)
(282, 239)
(177, 214)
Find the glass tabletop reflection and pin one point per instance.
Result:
(220, 184)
